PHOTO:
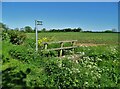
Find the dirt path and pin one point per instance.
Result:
(88, 44)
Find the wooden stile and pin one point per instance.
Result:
(61, 46)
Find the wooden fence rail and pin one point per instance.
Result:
(61, 48)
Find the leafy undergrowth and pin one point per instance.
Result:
(97, 67)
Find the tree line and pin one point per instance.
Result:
(29, 29)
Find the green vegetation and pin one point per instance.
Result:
(90, 67)
(95, 67)
(95, 38)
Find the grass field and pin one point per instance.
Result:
(94, 38)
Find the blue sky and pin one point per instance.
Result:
(60, 0)
(94, 16)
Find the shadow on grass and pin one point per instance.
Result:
(11, 79)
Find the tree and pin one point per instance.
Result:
(43, 30)
(28, 29)
(79, 29)
(3, 27)
(22, 29)
(114, 30)
(17, 29)
(108, 31)
(67, 29)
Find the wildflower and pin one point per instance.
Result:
(86, 83)
(83, 53)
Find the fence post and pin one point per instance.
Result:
(45, 46)
(61, 51)
(73, 49)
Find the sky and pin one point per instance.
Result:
(91, 16)
(60, 0)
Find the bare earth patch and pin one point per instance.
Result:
(88, 44)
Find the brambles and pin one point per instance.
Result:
(5, 36)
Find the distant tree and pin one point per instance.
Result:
(114, 30)
(17, 29)
(43, 30)
(108, 31)
(67, 29)
(3, 27)
(88, 31)
(79, 29)
(34, 30)
(28, 29)
(52, 30)
(22, 29)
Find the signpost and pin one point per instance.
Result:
(36, 29)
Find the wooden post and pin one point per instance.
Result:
(61, 51)
(45, 46)
(73, 43)
(61, 44)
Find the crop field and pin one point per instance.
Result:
(93, 38)
(94, 65)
